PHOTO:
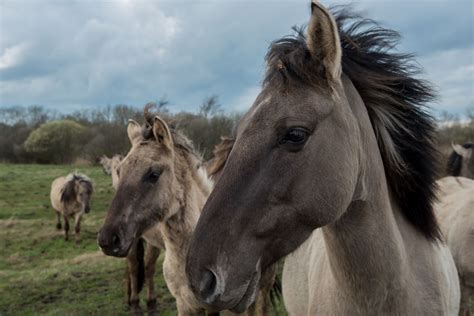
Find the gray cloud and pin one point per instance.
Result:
(92, 53)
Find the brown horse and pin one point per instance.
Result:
(162, 184)
(337, 140)
(70, 197)
(461, 161)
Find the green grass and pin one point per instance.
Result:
(40, 272)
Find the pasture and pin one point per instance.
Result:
(40, 273)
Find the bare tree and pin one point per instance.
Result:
(210, 106)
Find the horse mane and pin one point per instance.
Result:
(221, 153)
(68, 192)
(453, 168)
(180, 141)
(394, 99)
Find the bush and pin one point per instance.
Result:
(57, 141)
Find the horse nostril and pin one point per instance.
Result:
(116, 242)
(208, 287)
(102, 240)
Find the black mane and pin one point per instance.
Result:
(68, 192)
(454, 165)
(394, 98)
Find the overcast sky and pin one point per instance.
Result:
(68, 55)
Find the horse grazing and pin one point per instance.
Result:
(455, 212)
(338, 140)
(70, 197)
(461, 161)
(142, 256)
(110, 167)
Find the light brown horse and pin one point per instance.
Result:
(455, 211)
(142, 257)
(333, 166)
(162, 184)
(70, 197)
(457, 216)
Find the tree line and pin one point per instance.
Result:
(36, 134)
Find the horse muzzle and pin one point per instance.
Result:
(113, 244)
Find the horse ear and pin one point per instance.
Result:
(134, 131)
(162, 132)
(461, 151)
(323, 40)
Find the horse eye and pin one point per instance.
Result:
(153, 176)
(295, 136)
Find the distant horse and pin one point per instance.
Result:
(110, 167)
(337, 140)
(70, 197)
(455, 210)
(162, 184)
(461, 161)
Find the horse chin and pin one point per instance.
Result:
(121, 251)
(249, 296)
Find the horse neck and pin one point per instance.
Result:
(192, 192)
(366, 246)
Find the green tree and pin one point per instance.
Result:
(57, 141)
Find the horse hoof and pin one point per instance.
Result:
(58, 226)
(135, 308)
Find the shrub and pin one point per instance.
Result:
(56, 141)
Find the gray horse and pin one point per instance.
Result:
(333, 167)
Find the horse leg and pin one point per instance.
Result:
(152, 254)
(66, 228)
(133, 299)
(58, 222)
(77, 227)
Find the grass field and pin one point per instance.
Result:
(40, 273)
